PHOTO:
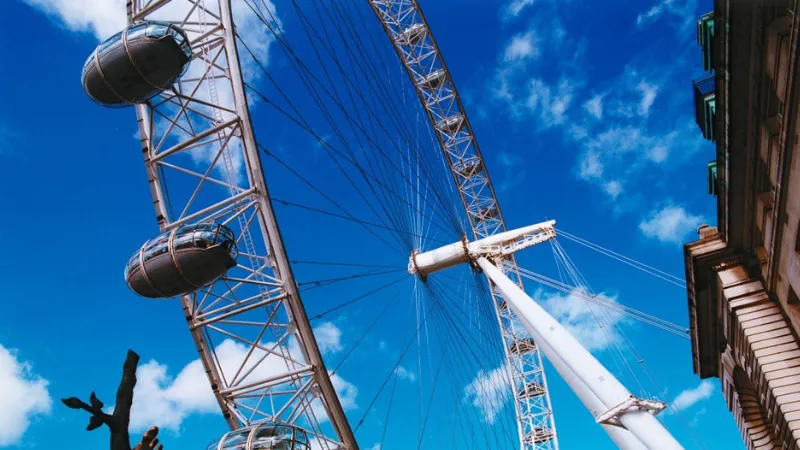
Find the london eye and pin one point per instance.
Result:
(418, 248)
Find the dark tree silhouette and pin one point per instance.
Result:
(118, 421)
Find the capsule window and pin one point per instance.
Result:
(108, 44)
(158, 247)
(156, 31)
(204, 239)
(177, 36)
(237, 440)
(89, 62)
(137, 32)
(185, 241)
(206, 226)
(133, 263)
(159, 250)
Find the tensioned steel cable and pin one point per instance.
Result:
(288, 49)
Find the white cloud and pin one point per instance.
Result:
(489, 392)
(577, 132)
(375, 447)
(329, 337)
(670, 224)
(405, 374)
(521, 47)
(594, 106)
(558, 33)
(551, 103)
(590, 166)
(99, 17)
(684, 11)
(692, 396)
(515, 8)
(167, 401)
(613, 188)
(648, 92)
(594, 326)
(624, 154)
(634, 102)
(23, 396)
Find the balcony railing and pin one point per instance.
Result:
(712, 178)
(705, 106)
(705, 38)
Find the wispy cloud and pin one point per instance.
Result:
(684, 11)
(168, 401)
(101, 18)
(23, 396)
(594, 106)
(405, 374)
(513, 171)
(594, 326)
(515, 8)
(521, 47)
(489, 392)
(693, 396)
(648, 92)
(550, 103)
(544, 99)
(630, 142)
(671, 223)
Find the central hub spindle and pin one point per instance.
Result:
(424, 264)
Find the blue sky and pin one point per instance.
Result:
(583, 113)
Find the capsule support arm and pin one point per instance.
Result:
(620, 405)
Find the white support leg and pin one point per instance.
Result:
(623, 438)
(559, 343)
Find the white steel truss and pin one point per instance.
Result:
(408, 30)
(250, 328)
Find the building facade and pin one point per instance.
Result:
(743, 276)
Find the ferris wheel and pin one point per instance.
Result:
(412, 157)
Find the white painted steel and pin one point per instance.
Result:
(406, 27)
(559, 343)
(500, 244)
(201, 131)
(623, 438)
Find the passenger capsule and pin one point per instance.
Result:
(413, 34)
(487, 213)
(451, 125)
(532, 389)
(136, 64)
(433, 80)
(181, 261)
(469, 167)
(265, 436)
(539, 435)
(522, 346)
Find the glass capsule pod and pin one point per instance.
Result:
(265, 436)
(136, 64)
(181, 261)
(433, 80)
(451, 125)
(414, 34)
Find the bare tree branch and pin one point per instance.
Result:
(119, 421)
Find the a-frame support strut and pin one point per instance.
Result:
(629, 421)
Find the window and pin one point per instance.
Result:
(109, 43)
(156, 30)
(797, 238)
(793, 303)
